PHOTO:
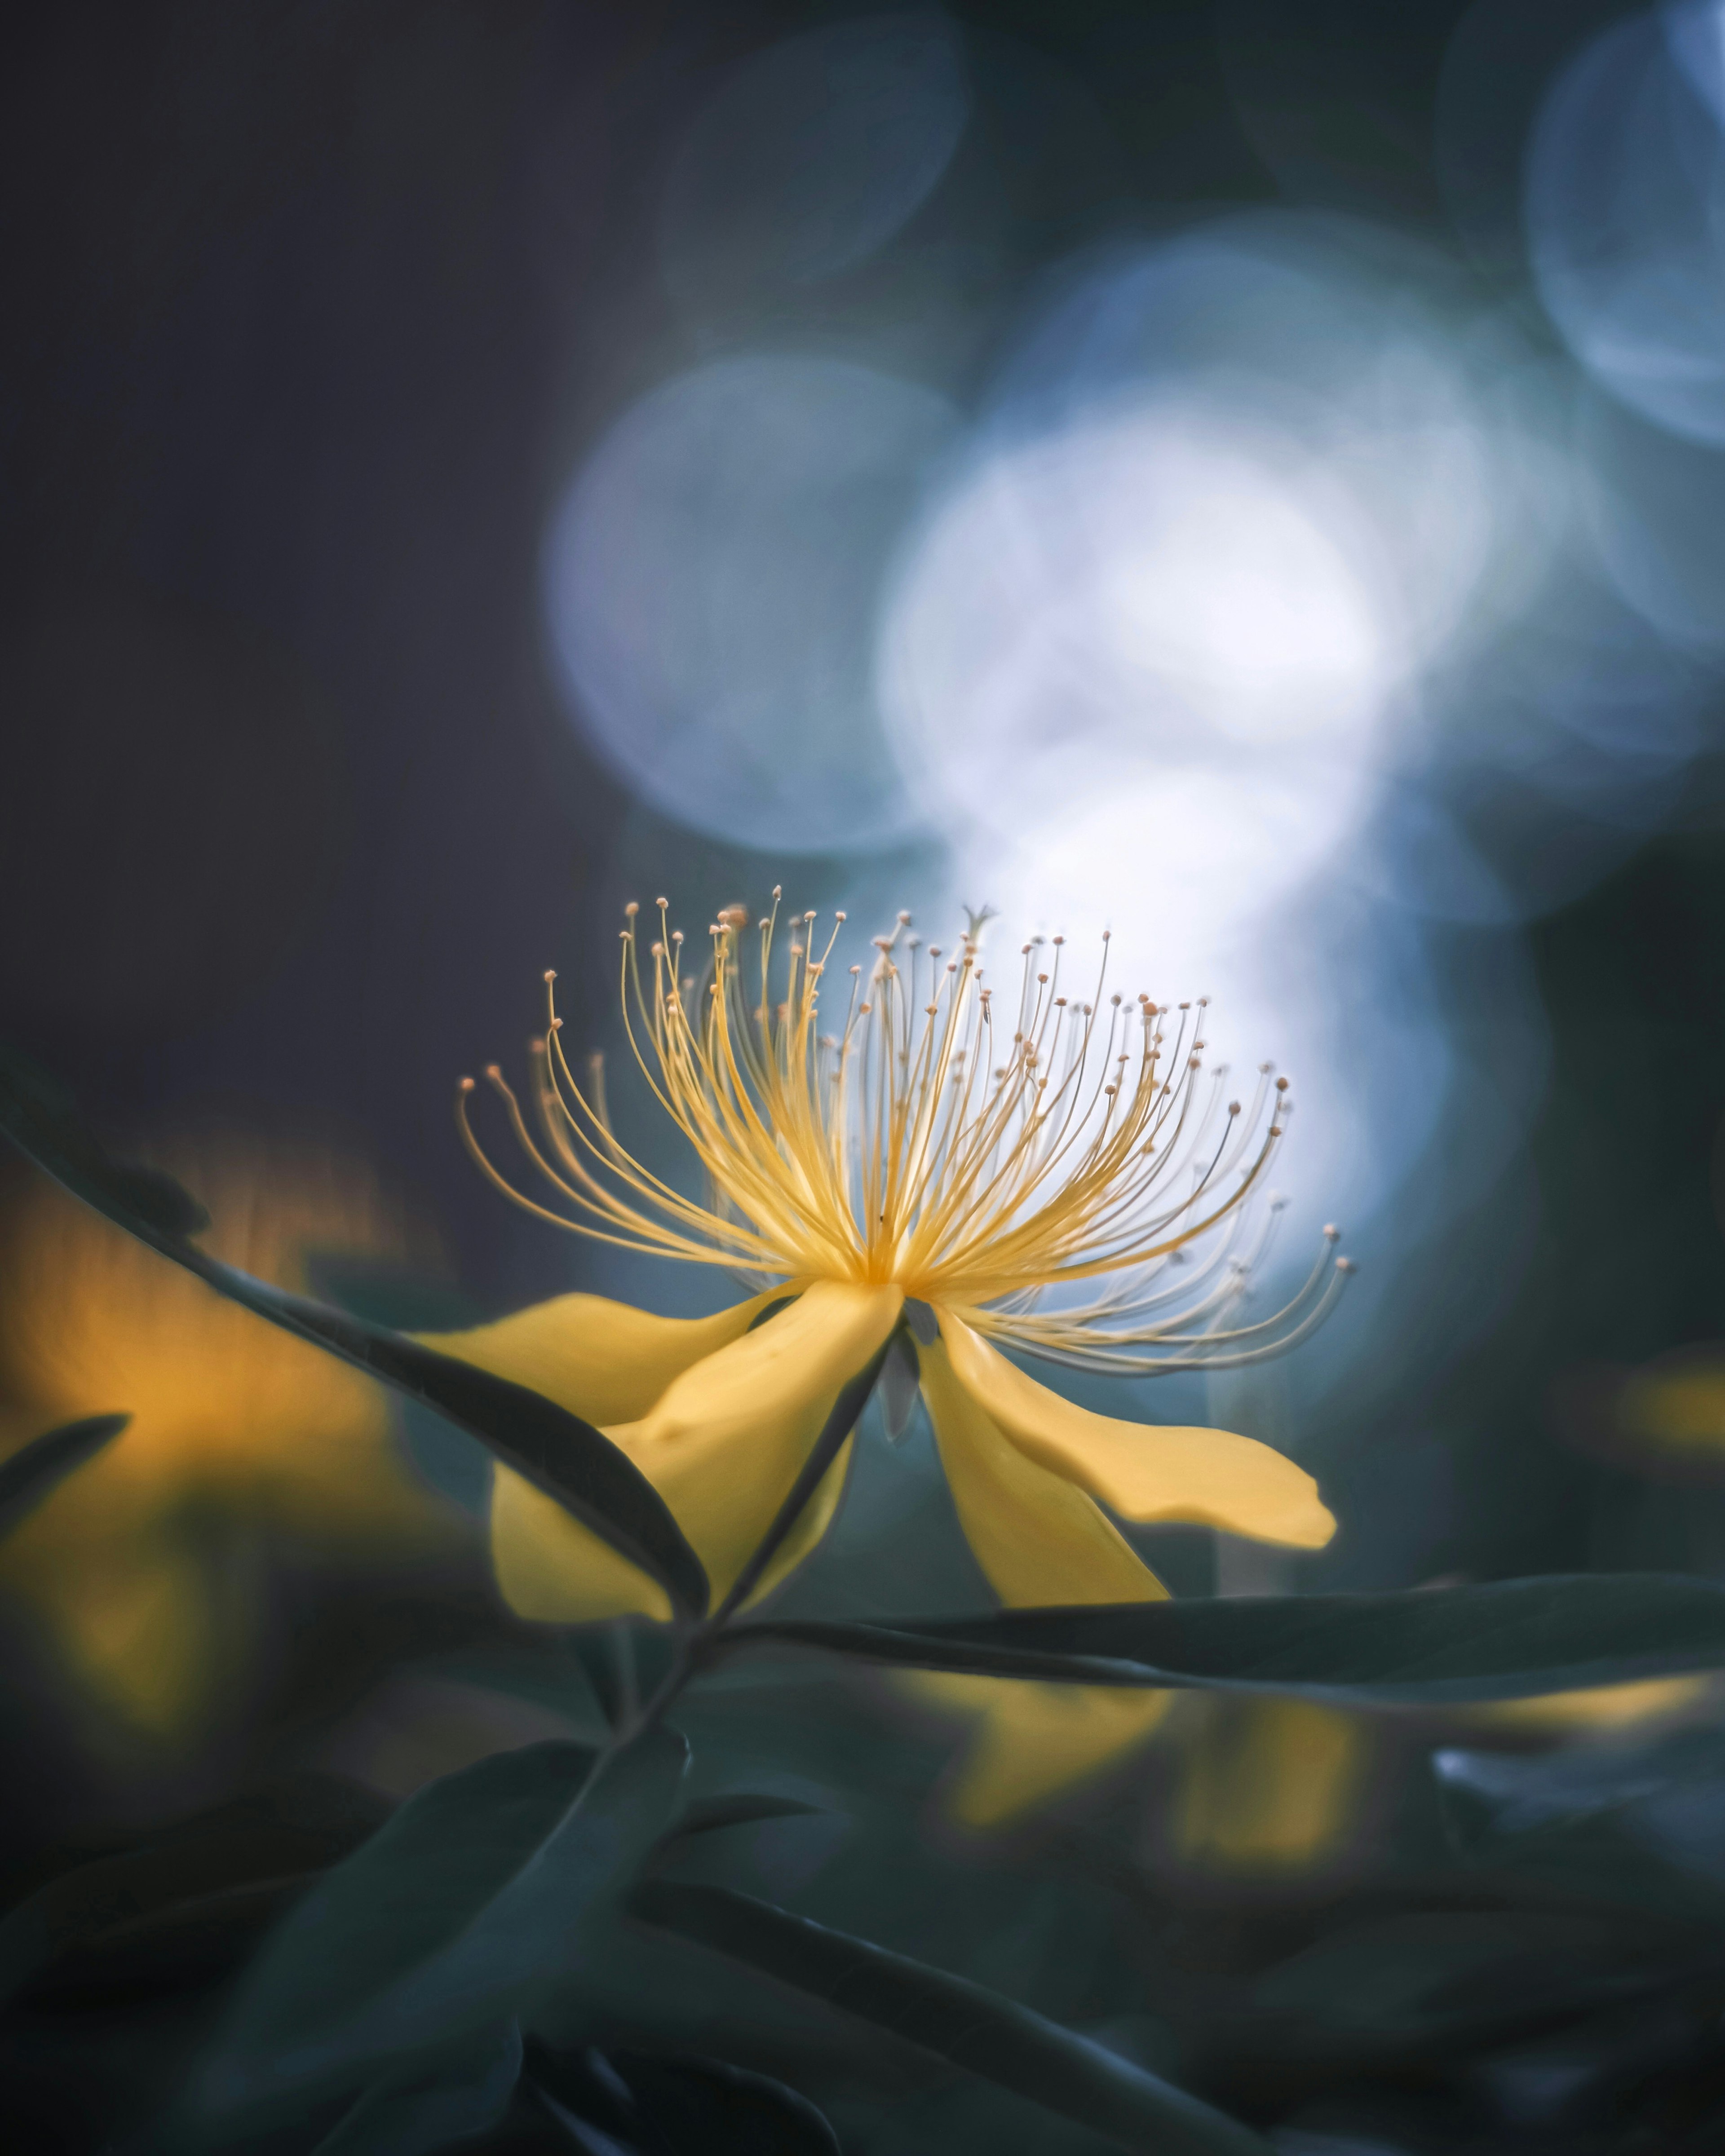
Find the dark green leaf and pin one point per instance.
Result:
(36, 1467)
(483, 1886)
(705, 2108)
(433, 2104)
(960, 2021)
(42, 1122)
(744, 1808)
(184, 1906)
(1509, 1640)
(557, 1451)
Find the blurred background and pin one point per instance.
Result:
(1246, 474)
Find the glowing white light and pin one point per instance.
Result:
(1128, 603)
(1625, 192)
(710, 585)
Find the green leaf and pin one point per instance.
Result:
(958, 2020)
(42, 1121)
(435, 2103)
(642, 2103)
(187, 1904)
(705, 2107)
(1510, 1640)
(561, 1454)
(742, 1808)
(483, 1886)
(37, 1467)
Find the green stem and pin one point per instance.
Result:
(696, 1645)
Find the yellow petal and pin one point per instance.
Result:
(722, 1445)
(1031, 1740)
(1038, 1538)
(1600, 1710)
(726, 1441)
(1142, 1470)
(606, 1361)
(1271, 1785)
(555, 1571)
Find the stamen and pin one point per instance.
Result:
(899, 1149)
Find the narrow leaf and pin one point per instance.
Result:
(189, 1899)
(743, 1808)
(960, 2021)
(1508, 1640)
(561, 1454)
(37, 1467)
(483, 1885)
(707, 2108)
(433, 2106)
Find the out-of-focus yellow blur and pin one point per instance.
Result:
(146, 1569)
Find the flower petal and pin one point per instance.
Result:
(1142, 1470)
(1271, 1785)
(1031, 1741)
(725, 1444)
(1038, 1537)
(606, 1361)
(722, 1445)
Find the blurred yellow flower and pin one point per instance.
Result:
(917, 1181)
(139, 1566)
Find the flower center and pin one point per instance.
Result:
(978, 1147)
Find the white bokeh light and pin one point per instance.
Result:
(1625, 215)
(710, 585)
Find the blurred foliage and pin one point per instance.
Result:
(1419, 1869)
(145, 1571)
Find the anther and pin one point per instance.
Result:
(1185, 1007)
(1282, 1084)
(550, 972)
(854, 971)
(1333, 1234)
(1233, 1107)
(778, 891)
(903, 919)
(465, 1086)
(658, 951)
(841, 917)
(632, 909)
(1058, 941)
(1275, 1130)
(932, 1009)
(556, 1025)
(1060, 1001)
(1346, 1265)
(493, 1071)
(1042, 977)
(1114, 1000)
(661, 903)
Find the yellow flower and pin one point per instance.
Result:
(143, 1565)
(919, 1176)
